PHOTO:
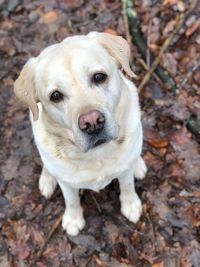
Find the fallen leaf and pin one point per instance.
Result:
(194, 214)
(154, 162)
(181, 137)
(112, 231)
(179, 108)
(99, 262)
(22, 250)
(170, 63)
(37, 236)
(160, 264)
(169, 27)
(193, 28)
(170, 2)
(50, 17)
(181, 6)
(111, 31)
(154, 139)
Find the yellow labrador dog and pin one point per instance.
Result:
(86, 121)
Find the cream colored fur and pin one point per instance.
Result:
(68, 66)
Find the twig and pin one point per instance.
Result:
(144, 65)
(126, 25)
(96, 202)
(148, 43)
(189, 74)
(40, 252)
(140, 42)
(179, 23)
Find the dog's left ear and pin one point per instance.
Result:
(117, 47)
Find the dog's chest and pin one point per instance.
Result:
(92, 172)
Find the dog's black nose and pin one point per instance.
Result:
(92, 122)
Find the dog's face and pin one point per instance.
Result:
(79, 85)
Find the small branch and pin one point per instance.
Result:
(96, 202)
(189, 74)
(126, 27)
(141, 44)
(40, 252)
(179, 23)
(144, 65)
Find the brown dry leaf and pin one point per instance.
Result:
(71, 3)
(159, 203)
(111, 31)
(170, 63)
(160, 264)
(170, 2)
(7, 45)
(99, 262)
(196, 77)
(181, 137)
(50, 251)
(22, 250)
(154, 139)
(175, 170)
(10, 167)
(181, 6)
(193, 28)
(50, 17)
(194, 214)
(179, 110)
(169, 27)
(187, 151)
(159, 143)
(38, 236)
(154, 162)
(112, 231)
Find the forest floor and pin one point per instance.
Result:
(168, 233)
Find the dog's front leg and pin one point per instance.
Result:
(47, 183)
(131, 206)
(73, 220)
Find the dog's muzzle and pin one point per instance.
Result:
(93, 125)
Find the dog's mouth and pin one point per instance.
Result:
(96, 141)
(99, 142)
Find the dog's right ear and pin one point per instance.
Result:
(117, 47)
(24, 87)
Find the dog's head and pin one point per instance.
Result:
(78, 82)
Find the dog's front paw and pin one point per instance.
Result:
(73, 224)
(47, 184)
(131, 208)
(140, 169)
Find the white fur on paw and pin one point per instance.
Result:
(73, 225)
(132, 208)
(47, 185)
(140, 169)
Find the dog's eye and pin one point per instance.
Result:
(99, 77)
(56, 96)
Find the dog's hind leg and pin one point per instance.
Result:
(47, 183)
(140, 169)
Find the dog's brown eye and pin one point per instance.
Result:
(56, 96)
(99, 78)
